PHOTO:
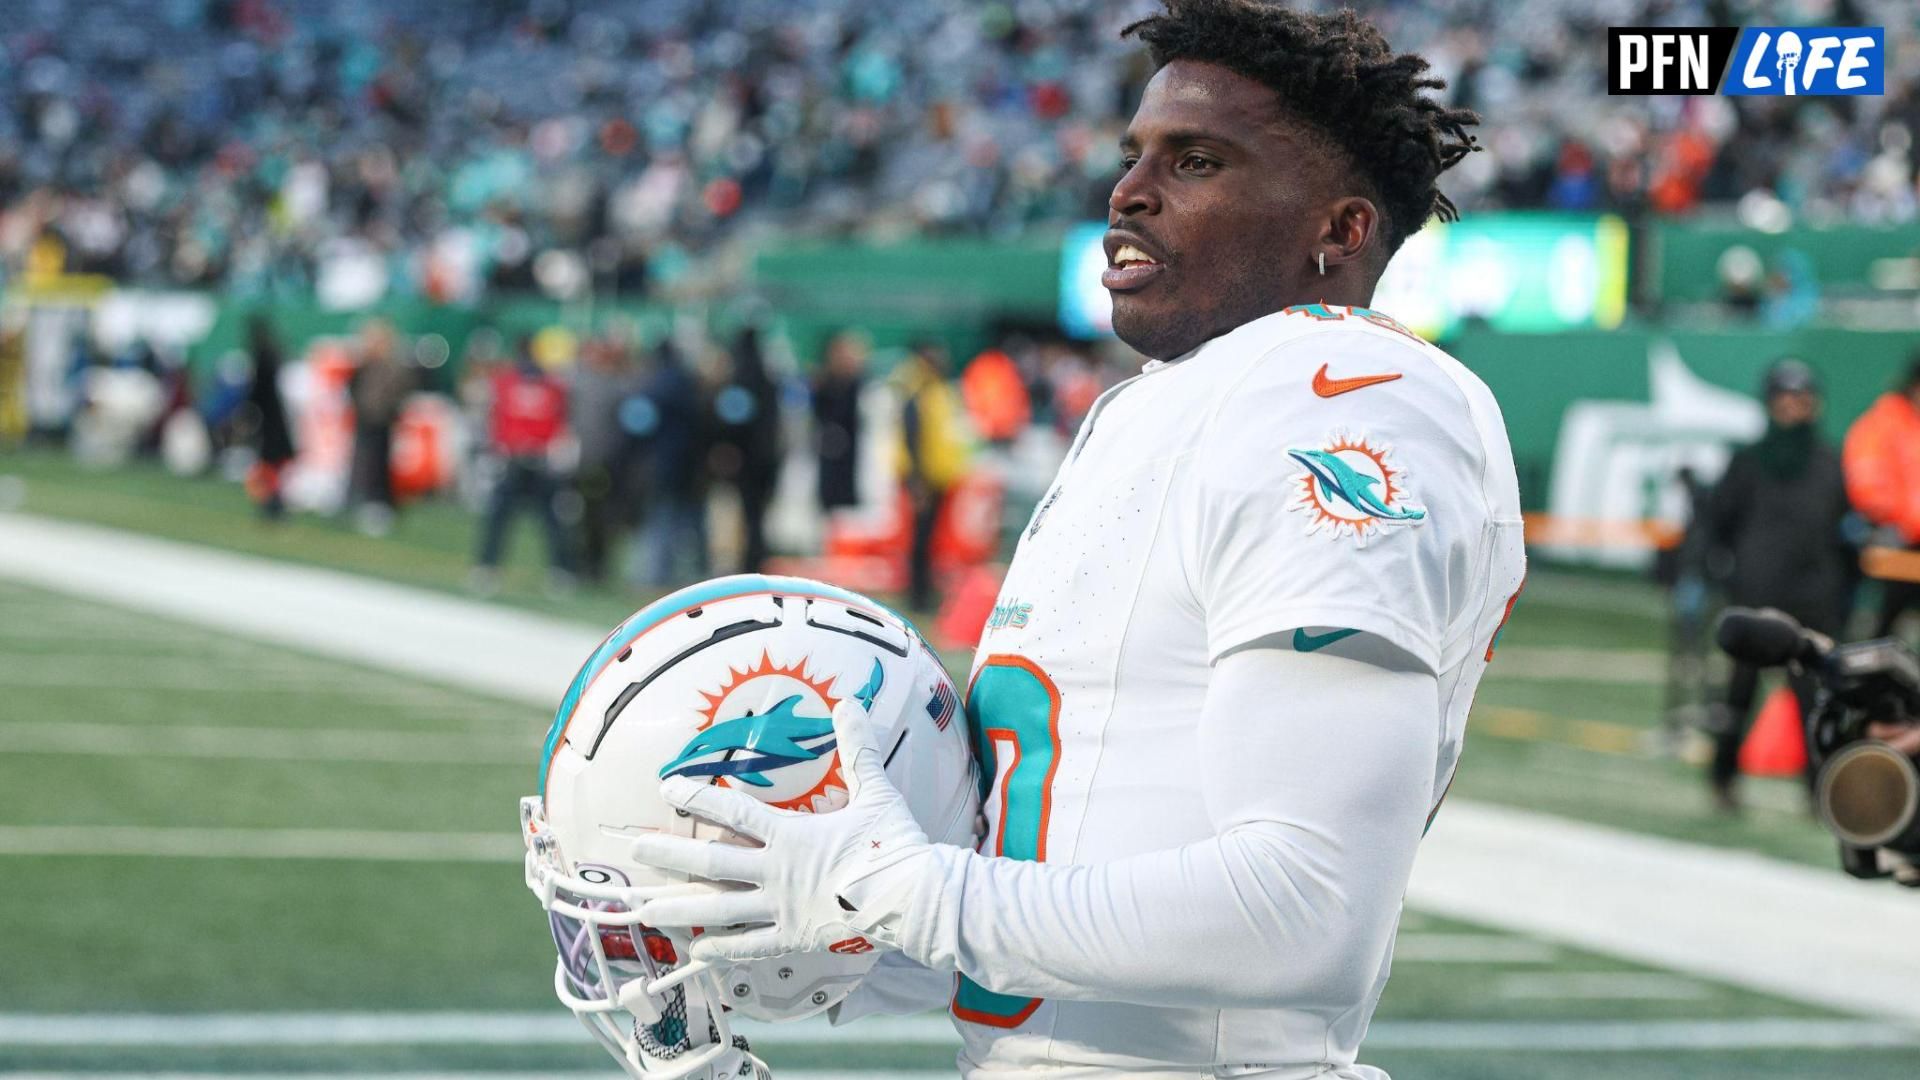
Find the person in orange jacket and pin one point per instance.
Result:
(996, 397)
(1882, 461)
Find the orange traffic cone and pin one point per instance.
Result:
(1777, 744)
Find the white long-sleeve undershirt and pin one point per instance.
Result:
(1319, 779)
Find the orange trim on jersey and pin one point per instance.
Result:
(994, 737)
(1321, 311)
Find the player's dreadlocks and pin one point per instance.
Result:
(1334, 73)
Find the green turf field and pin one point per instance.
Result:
(197, 825)
(367, 821)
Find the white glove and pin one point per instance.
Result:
(820, 880)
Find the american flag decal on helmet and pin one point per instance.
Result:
(940, 706)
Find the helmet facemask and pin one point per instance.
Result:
(634, 987)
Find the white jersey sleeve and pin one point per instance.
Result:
(1316, 825)
(1348, 502)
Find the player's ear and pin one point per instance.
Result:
(1349, 230)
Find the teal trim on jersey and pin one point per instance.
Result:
(1305, 642)
(1318, 311)
(972, 1002)
(1494, 645)
(660, 611)
(1015, 699)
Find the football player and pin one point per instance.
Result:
(1227, 681)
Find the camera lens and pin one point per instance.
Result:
(1869, 796)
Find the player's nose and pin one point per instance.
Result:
(1133, 194)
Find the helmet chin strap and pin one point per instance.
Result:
(701, 1018)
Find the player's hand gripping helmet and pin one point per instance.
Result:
(731, 682)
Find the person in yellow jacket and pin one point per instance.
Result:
(930, 456)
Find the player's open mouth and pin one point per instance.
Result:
(1129, 268)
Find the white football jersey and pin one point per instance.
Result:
(1319, 473)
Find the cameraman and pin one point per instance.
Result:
(1776, 515)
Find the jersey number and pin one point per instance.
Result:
(1014, 713)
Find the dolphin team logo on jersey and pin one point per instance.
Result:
(769, 730)
(1351, 488)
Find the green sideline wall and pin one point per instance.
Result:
(1536, 378)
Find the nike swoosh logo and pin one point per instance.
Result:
(1326, 387)
(1305, 642)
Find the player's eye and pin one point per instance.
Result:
(1197, 163)
(1127, 162)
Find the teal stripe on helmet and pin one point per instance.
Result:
(707, 592)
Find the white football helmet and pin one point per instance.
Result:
(732, 681)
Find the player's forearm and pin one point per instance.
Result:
(1320, 803)
(1248, 920)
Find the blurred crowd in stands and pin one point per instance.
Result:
(444, 148)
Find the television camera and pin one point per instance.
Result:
(1863, 735)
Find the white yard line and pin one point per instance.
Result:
(280, 1030)
(1601, 986)
(413, 632)
(1798, 932)
(102, 841)
(270, 744)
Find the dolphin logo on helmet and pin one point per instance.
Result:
(751, 746)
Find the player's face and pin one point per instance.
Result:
(1212, 223)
